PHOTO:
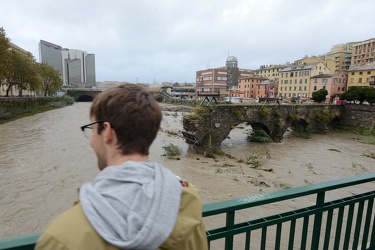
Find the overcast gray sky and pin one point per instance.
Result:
(169, 40)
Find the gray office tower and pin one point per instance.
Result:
(76, 67)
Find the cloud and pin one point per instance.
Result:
(170, 40)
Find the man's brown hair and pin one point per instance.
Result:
(132, 112)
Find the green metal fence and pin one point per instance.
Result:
(343, 223)
(340, 223)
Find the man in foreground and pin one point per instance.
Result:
(133, 203)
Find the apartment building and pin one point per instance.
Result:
(270, 71)
(363, 52)
(329, 62)
(361, 75)
(222, 80)
(335, 84)
(341, 55)
(250, 87)
(294, 80)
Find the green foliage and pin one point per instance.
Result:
(254, 160)
(22, 72)
(51, 81)
(264, 112)
(360, 94)
(277, 113)
(259, 135)
(292, 117)
(320, 95)
(171, 150)
(68, 100)
(4, 53)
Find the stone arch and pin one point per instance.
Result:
(85, 98)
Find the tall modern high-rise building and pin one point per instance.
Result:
(76, 67)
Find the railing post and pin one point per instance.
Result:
(229, 227)
(317, 222)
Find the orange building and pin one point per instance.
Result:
(250, 88)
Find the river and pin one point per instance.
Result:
(45, 158)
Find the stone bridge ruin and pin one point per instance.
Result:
(205, 130)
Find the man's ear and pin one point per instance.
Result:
(108, 132)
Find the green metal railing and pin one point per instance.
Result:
(343, 223)
(337, 224)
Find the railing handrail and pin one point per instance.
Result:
(229, 206)
(267, 198)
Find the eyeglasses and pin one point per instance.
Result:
(87, 129)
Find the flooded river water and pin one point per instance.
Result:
(45, 158)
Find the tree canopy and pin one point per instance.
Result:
(21, 71)
(51, 81)
(360, 94)
(4, 51)
(320, 95)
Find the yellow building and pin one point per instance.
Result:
(294, 80)
(361, 75)
(270, 71)
(328, 61)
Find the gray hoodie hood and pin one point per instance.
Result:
(133, 206)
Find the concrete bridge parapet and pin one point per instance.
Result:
(206, 131)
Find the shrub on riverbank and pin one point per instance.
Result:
(15, 108)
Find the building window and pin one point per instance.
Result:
(351, 80)
(314, 87)
(325, 80)
(295, 88)
(305, 80)
(339, 80)
(286, 74)
(324, 87)
(368, 79)
(338, 89)
(360, 73)
(335, 80)
(286, 81)
(295, 80)
(300, 80)
(368, 72)
(360, 80)
(300, 88)
(352, 73)
(304, 88)
(315, 80)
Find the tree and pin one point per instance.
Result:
(355, 93)
(4, 53)
(320, 95)
(51, 81)
(370, 95)
(22, 72)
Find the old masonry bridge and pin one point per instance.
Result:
(205, 130)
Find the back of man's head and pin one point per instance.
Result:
(132, 112)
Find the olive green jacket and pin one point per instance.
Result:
(72, 230)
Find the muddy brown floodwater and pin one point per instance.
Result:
(45, 159)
